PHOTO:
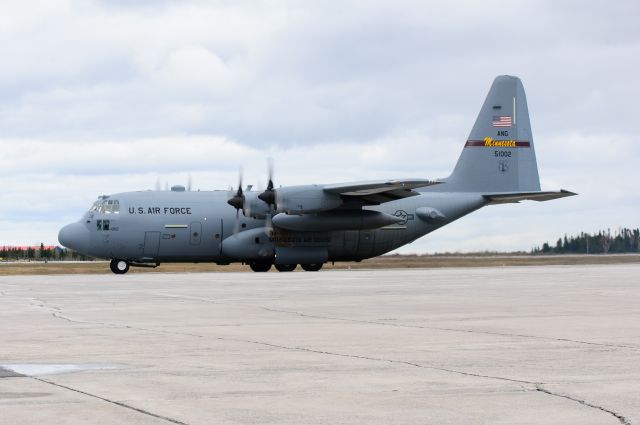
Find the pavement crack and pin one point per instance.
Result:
(117, 403)
(58, 315)
(622, 419)
(400, 325)
(188, 297)
(68, 319)
(379, 359)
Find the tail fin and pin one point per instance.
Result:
(499, 155)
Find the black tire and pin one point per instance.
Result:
(312, 267)
(260, 266)
(286, 267)
(119, 266)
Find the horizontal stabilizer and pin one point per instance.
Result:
(515, 197)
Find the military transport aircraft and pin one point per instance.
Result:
(310, 225)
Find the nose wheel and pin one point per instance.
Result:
(119, 266)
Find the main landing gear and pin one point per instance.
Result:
(264, 266)
(119, 266)
(286, 267)
(260, 266)
(312, 267)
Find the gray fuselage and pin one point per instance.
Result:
(167, 226)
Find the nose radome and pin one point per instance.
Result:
(75, 236)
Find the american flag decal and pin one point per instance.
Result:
(501, 121)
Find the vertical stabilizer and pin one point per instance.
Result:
(499, 155)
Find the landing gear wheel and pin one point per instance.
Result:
(119, 266)
(260, 266)
(286, 267)
(312, 267)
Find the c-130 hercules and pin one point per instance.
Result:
(313, 224)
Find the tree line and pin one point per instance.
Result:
(42, 253)
(620, 241)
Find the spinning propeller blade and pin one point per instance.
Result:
(237, 201)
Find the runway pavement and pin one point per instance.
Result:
(511, 345)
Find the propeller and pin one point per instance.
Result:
(189, 183)
(269, 197)
(237, 202)
(268, 225)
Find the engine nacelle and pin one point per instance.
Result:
(254, 207)
(252, 244)
(305, 200)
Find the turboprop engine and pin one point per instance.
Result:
(255, 207)
(305, 199)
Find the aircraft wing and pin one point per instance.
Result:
(515, 197)
(380, 191)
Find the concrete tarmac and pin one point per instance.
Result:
(511, 345)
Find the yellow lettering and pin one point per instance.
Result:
(489, 142)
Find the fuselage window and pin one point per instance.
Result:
(105, 224)
(99, 225)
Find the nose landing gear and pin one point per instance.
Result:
(119, 266)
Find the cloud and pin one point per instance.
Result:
(103, 96)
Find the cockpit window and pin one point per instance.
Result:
(106, 206)
(111, 206)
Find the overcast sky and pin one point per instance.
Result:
(98, 97)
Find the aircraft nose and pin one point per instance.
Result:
(75, 236)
